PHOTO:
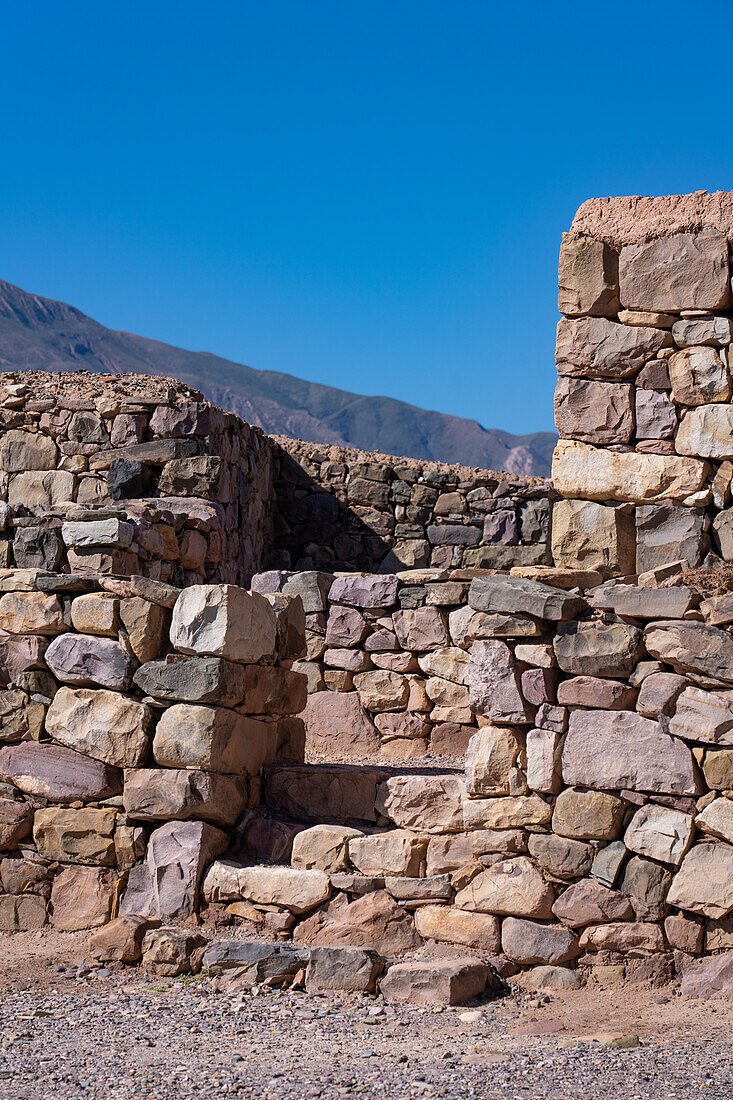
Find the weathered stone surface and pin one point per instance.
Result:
(645, 603)
(210, 738)
(424, 803)
(335, 793)
(704, 882)
(381, 690)
(629, 938)
(655, 415)
(439, 981)
(618, 749)
(41, 491)
(494, 684)
(528, 943)
(717, 768)
(81, 897)
(87, 660)
(692, 647)
(587, 815)
(450, 662)
(26, 913)
(336, 724)
(591, 473)
(698, 377)
(512, 594)
(684, 933)
(102, 724)
(608, 863)
(449, 925)
(96, 613)
(420, 629)
(717, 819)
(168, 951)
(706, 431)
(400, 724)
(597, 649)
(716, 331)
(561, 857)
(348, 969)
(58, 773)
(345, 626)
(223, 621)
(31, 613)
(595, 692)
(167, 884)
(708, 977)
(587, 278)
(668, 532)
(397, 852)
(593, 347)
(588, 902)
(194, 680)
(16, 821)
(594, 412)
(75, 836)
(676, 272)
(365, 590)
(660, 833)
(703, 716)
(543, 767)
(658, 694)
(374, 921)
(506, 813)
(646, 884)
(296, 890)
(491, 756)
(119, 941)
(512, 887)
(145, 625)
(586, 535)
(323, 847)
(170, 794)
(244, 963)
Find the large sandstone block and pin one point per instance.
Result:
(338, 794)
(618, 749)
(194, 680)
(490, 759)
(167, 884)
(451, 663)
(717, 819)
(171, 794)
(561, 857)
(587, 278)
(520, 594)
(288, 887)
(210, 738)
(706, 431)
(438, 982)
(495, 684)
(336, 724)
(586, 535)
(20, 451)
(58, 773)
(543, 769)
(397, 852)
(26, 913)
(692, 647)
(349, 969)
(374, 921)
(588, 815)
(704, 882)
(146, 626)
(365, 590)
(506, 813)
(703, 716)
(40, 490)
(659, 832)
(421, 628)
(75, 836)
(323, 847)
(530, 943)
(424, 803)
(698, 377)
(380, 690)
(88, 660)
(102, 724)
(632, 938)
(31, 613)
(513, 887)
(450, 925)
(589, 902)
(242, 964)
(681, 271)
(594, 347)
(591, 473)
(81, 897)
(16, 822)
(666, 533)
(221, 620)
(597, 648)
(594, 412)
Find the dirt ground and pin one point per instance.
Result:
(123, 1034)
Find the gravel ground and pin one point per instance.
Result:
(122, 1035)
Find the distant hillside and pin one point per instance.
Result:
(42, 334)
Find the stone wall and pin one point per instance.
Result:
(136, 721)
(643, 399)
(342, 509)
(129, 475)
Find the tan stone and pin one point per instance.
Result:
(16, 822)
(102, 724)
(20, 451)
(382, 691)
(591, 473)
(25, 913)
(96, 613)
(628, 938)
(296, 890)
(449, 925)
(41, 491)
(449, 662)
(374, 921)
(594, 347)
(706, 431)
(31, 613)
(75, 836)
(146, 625)
(337, 725)
(717, 819)
(424, 803)
(397, 852)
(120, 940)
(492, 753)
(506, 813)
(661, 833)
(448, 853)
(704, 882)
(323, 847)
(81, 897)
(698, 377)
(589, 902)
(222, 620)
(586, 535)
(676, 272)
(437, 981)
(594, 412)
(513, 887)
(587, 278)
(211, 738)
(587, 815)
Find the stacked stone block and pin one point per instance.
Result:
(129, 475)
(342, 509)
(135, 721)
(642, 403)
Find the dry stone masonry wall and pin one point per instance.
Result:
(643, 399)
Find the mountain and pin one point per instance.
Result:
(41, 334)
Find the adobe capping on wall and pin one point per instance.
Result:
(579, 828)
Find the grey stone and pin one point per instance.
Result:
(87, 660)
(646, 884)
(594, 347)
(519, 594)
(656, 416)
(597, 649)
(676, 272)
(668, 532)
(494, 684)
(193, 680)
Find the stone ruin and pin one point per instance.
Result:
(388, 722)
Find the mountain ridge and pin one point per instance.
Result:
(39, 333)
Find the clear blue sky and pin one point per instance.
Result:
(367, 194)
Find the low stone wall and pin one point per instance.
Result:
(136, 722)
(642, 404)
(343, 509)
(127, 474)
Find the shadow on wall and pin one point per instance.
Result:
(353, 512)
